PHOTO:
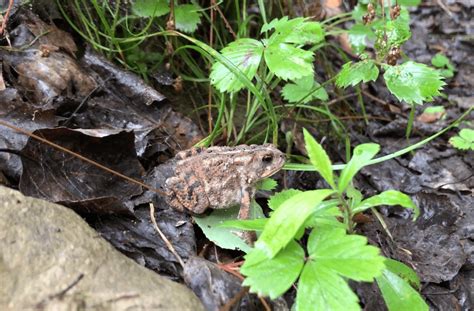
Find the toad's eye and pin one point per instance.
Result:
(267, 158)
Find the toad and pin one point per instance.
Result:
(220, 177)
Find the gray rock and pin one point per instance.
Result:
(50, 259)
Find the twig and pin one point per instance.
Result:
(85, 99)
(163, 237)
(227, 25)
(5, 17)
(229, 304)
(445, 8)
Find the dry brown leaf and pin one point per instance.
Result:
(430, 117)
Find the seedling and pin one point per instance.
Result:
(335, 255)
(464, 140)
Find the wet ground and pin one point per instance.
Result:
(86, 103)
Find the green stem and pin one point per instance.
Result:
(309, 167)
(411, 119)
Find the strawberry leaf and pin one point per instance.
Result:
(187, 17)
(333, 256)
(413, 82)
(288, 62)
(354, 73)
(297, 30)
(258, 268)
(287, 220)
(150, 8)
(246, 55)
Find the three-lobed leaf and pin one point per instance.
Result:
(354, 73)
(287, 220)
(273, 277)
(389, 197)
(413, 82)
(319, 158)
(301, 90)
(246, 55)
(333, 256)
(361, 156)
(323, 289)
(347, 255)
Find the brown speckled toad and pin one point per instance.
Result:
(220, 177)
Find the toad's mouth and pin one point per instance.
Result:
(270, 171)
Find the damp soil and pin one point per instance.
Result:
(103, 112)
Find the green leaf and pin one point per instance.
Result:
(440, 61)
(446, 73)
(359, 11)
(325, 216)
(150, 8)
(297, 30)
(187, 17)
(354, 73)
(434, 110)
(288, 62)
(319, 158)
(246, 55)
(273, 277)
(224, 237)
(389, 197)
(301, 90)
(397, 31)
(413, 82)
(248, 224)
(285, 222)
(358, 35)
(277, 199)
(403, 271)
(354, 195)
(347, 255)
(398, 294)
(361, 156)
(267, 184)
(464, 141)
(320, 288)
(409, 2)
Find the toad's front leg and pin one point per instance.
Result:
(244, 213)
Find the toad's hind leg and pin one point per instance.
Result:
(190, 197)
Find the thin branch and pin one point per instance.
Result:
(163, 237)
